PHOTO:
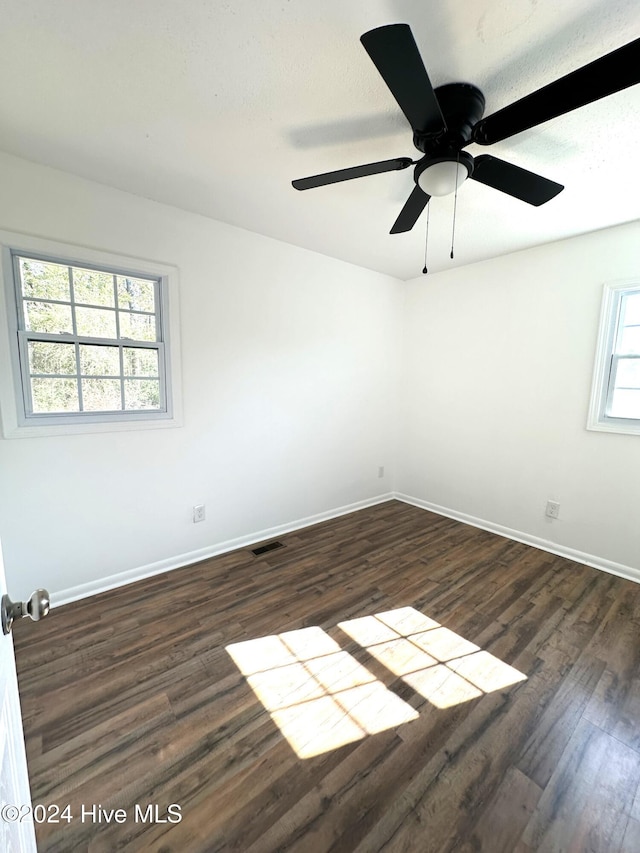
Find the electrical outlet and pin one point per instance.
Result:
(553, 509)
(198, 513)
(381, 471)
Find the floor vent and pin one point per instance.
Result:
(272, 546)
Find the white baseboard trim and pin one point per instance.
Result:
(84, 590)
(619, 569)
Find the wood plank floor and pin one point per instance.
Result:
(131, 698)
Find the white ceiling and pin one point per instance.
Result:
(216, 106)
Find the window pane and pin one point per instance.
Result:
(632, 309)
(44, 281)
(99, 361)
(95, 323)
(93, 287)
(628, 373)
(625, 404)
(54, 395)
(48, 317)
(140, 362)
(52, 358)
(141, 394)
(137, 327)
(101, 395)
(135, 294)
(629, 341)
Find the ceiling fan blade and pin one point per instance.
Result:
(395, 54)
(514, 181)
(411, 211)
(353, 172)
(611, 73)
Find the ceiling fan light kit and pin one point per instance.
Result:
(443, 176)
(447, 119)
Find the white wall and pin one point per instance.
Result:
(289, 361)
(498, 361)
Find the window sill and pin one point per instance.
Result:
(621, 429)
(10, 431)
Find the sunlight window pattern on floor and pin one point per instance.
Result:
(436, 662)
(321, 697)
(318, 695)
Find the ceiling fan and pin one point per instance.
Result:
(447, 119)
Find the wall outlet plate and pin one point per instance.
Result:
(198, 513)
(552, 510)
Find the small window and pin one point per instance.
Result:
(89, 340)
(615, 400)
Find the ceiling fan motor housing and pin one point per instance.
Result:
(462, 106)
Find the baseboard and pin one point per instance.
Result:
(75, 593)
(619, 569)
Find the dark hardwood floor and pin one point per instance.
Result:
(527, 741)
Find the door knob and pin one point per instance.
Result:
(37, 608)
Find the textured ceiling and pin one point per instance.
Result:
(215, 106)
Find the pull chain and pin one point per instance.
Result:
(426, 240)
(455, 204)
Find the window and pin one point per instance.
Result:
(615, 398)
(89, 340)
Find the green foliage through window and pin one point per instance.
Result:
(92, 339)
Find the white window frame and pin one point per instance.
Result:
(606, 359)
(17, 422)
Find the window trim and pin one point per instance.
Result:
(602, 387)
(16, 423)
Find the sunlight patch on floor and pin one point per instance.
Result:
(318, 695)
(321, 697)
(436, 662)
